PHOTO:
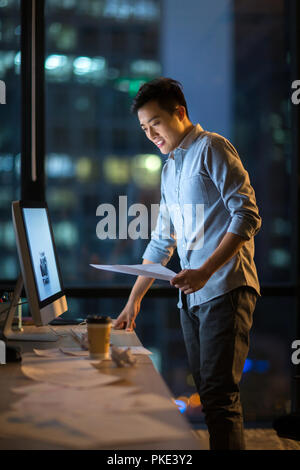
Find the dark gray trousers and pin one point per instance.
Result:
(216, 336)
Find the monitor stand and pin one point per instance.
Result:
(21, 335)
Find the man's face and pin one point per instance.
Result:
(163, 129)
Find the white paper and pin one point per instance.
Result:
(52, 352)
(75, 352)
(60, 352)
(111, 430)
(14, 424)
(66, 371)
(136, 350)
(154, 270)
(36, 387)
(49, 410)
(73, 417)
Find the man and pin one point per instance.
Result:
(218, 284)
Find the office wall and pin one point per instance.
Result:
(197, 49)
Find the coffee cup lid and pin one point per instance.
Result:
(98, 319)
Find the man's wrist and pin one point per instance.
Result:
(134, 301)
(206, 270)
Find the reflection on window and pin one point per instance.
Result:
(262, 126)
(66, 234)
(146, 170)
(94, 148)
(62, 197)
(116, 170)
(115, 9)
(10, 120)
(60, 166)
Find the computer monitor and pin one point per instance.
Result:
(40, 271)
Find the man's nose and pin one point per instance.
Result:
(152, 133)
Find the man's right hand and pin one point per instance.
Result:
(126, 319)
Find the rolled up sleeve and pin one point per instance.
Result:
(226, 170)
(163, 239)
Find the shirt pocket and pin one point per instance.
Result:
(193, 190)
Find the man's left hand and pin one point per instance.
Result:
(190, 280)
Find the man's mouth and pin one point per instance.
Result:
(160, 143)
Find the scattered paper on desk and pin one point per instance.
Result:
(137, 350)
(143, 402)
(153, 270)
(62, 416)
(73, 417)
(78, 352)
(69, 372)
(52, 352)
(13, 424)
(122, 357)
(59, 352)
(81, 337)
(111, 430)
(36, 387)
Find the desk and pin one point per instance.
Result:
(145, 377)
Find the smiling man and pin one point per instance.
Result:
(218, 284)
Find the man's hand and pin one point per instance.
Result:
(126, 319)
(190, 280)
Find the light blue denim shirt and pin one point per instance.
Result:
(206, 192)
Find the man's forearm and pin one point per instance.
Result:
(191, 280)
(229, 247)
(141, 286)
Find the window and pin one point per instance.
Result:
(96, 59)
(10, 129)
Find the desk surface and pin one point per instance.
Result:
(143, 375)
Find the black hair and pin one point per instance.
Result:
(166, 91)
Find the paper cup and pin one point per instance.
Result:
(98, 328)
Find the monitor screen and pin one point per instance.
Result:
(40, 271)
(41, 252)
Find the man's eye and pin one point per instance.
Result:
(156, 123)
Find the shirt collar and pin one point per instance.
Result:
(188, 139)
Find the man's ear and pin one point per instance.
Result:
(181, 112)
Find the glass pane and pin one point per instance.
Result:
(97, 55)
(262, 126)
(10, 129)
(98, 161)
